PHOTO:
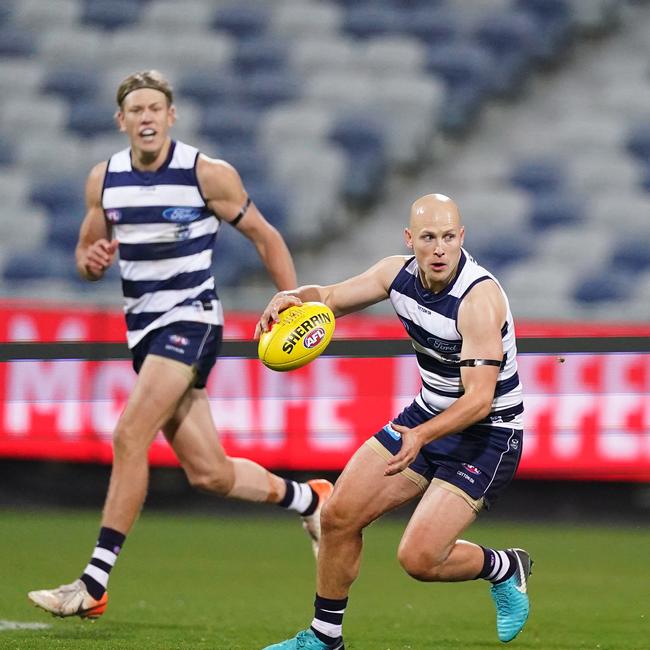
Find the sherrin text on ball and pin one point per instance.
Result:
(301, 334)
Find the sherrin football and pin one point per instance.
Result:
(301, 334)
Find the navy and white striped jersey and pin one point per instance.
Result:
(430, 320)
(166, 234)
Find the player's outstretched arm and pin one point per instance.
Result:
(370, 287)
(481, 316)
(95, 251)
(227, 198)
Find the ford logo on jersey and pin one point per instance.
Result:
(181, 214)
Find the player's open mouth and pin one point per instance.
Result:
(147, 134)
(438, 266)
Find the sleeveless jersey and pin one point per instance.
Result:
(430, 320)
(166, 234)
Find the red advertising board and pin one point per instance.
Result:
(587, 415)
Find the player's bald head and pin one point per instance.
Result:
(434, 209)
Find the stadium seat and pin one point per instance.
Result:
(263, 90)
(229, 125)
(7, 152)
(369, 20)
(260, 55)
(554, 19)
(210, 85)
(438, 25)
(504, 249)
(110, 14)
(16, 42)
(69, 45)
(556, 209)
(73, 82)
(607, 286)
(272, 201)
(509, 37)
(243, 20)
(638, 141)
(91, 117)
(539, 175)
(251, 163)
(58, 195)
(37, 264)
(632, 255)
(363, 140)
(467, 71)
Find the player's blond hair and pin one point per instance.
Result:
(145, 79)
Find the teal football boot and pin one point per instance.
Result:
(511, 598)
(305, 640)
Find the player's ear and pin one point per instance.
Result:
(171, 115)
(119, 120)
(408, 238)
(462, 235)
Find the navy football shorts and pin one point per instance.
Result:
(195, 344)
(480, 461)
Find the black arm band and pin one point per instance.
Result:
(242, 212)
(479, 362)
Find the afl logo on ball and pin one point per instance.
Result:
(314, 338)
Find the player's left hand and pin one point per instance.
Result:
(411, 445)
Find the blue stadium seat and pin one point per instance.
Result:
(538, 175)
(91, 117)
(272, 202)
(16, 42)
(466, 70)
(234, 259)
(39, 264)
(555, 23)
(556, 209)
(364, 143)
(73, 82)
(230, 125)
(111, 14)
(210, 85)
(607, 286)
(242, 20)
(370, 20)
(249, 161)
(509, 36)
(63, 228)
(638, 141)
(433, 25)
(507, 248)
(260, 55)
(632, 255)
(263, 90)
(59, 195)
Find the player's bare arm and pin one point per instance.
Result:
(95, 251)
(370, 287)
(226, 197)
(481, 316)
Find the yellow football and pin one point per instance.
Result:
(299, 337)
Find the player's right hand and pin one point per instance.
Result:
(281, 301)
(98, 257)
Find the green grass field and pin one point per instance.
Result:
(201, 582)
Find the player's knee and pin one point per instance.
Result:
(336, 517)
(420, 563)
(127, 441)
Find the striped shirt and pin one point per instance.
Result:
(431, 321)
(166, 234)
